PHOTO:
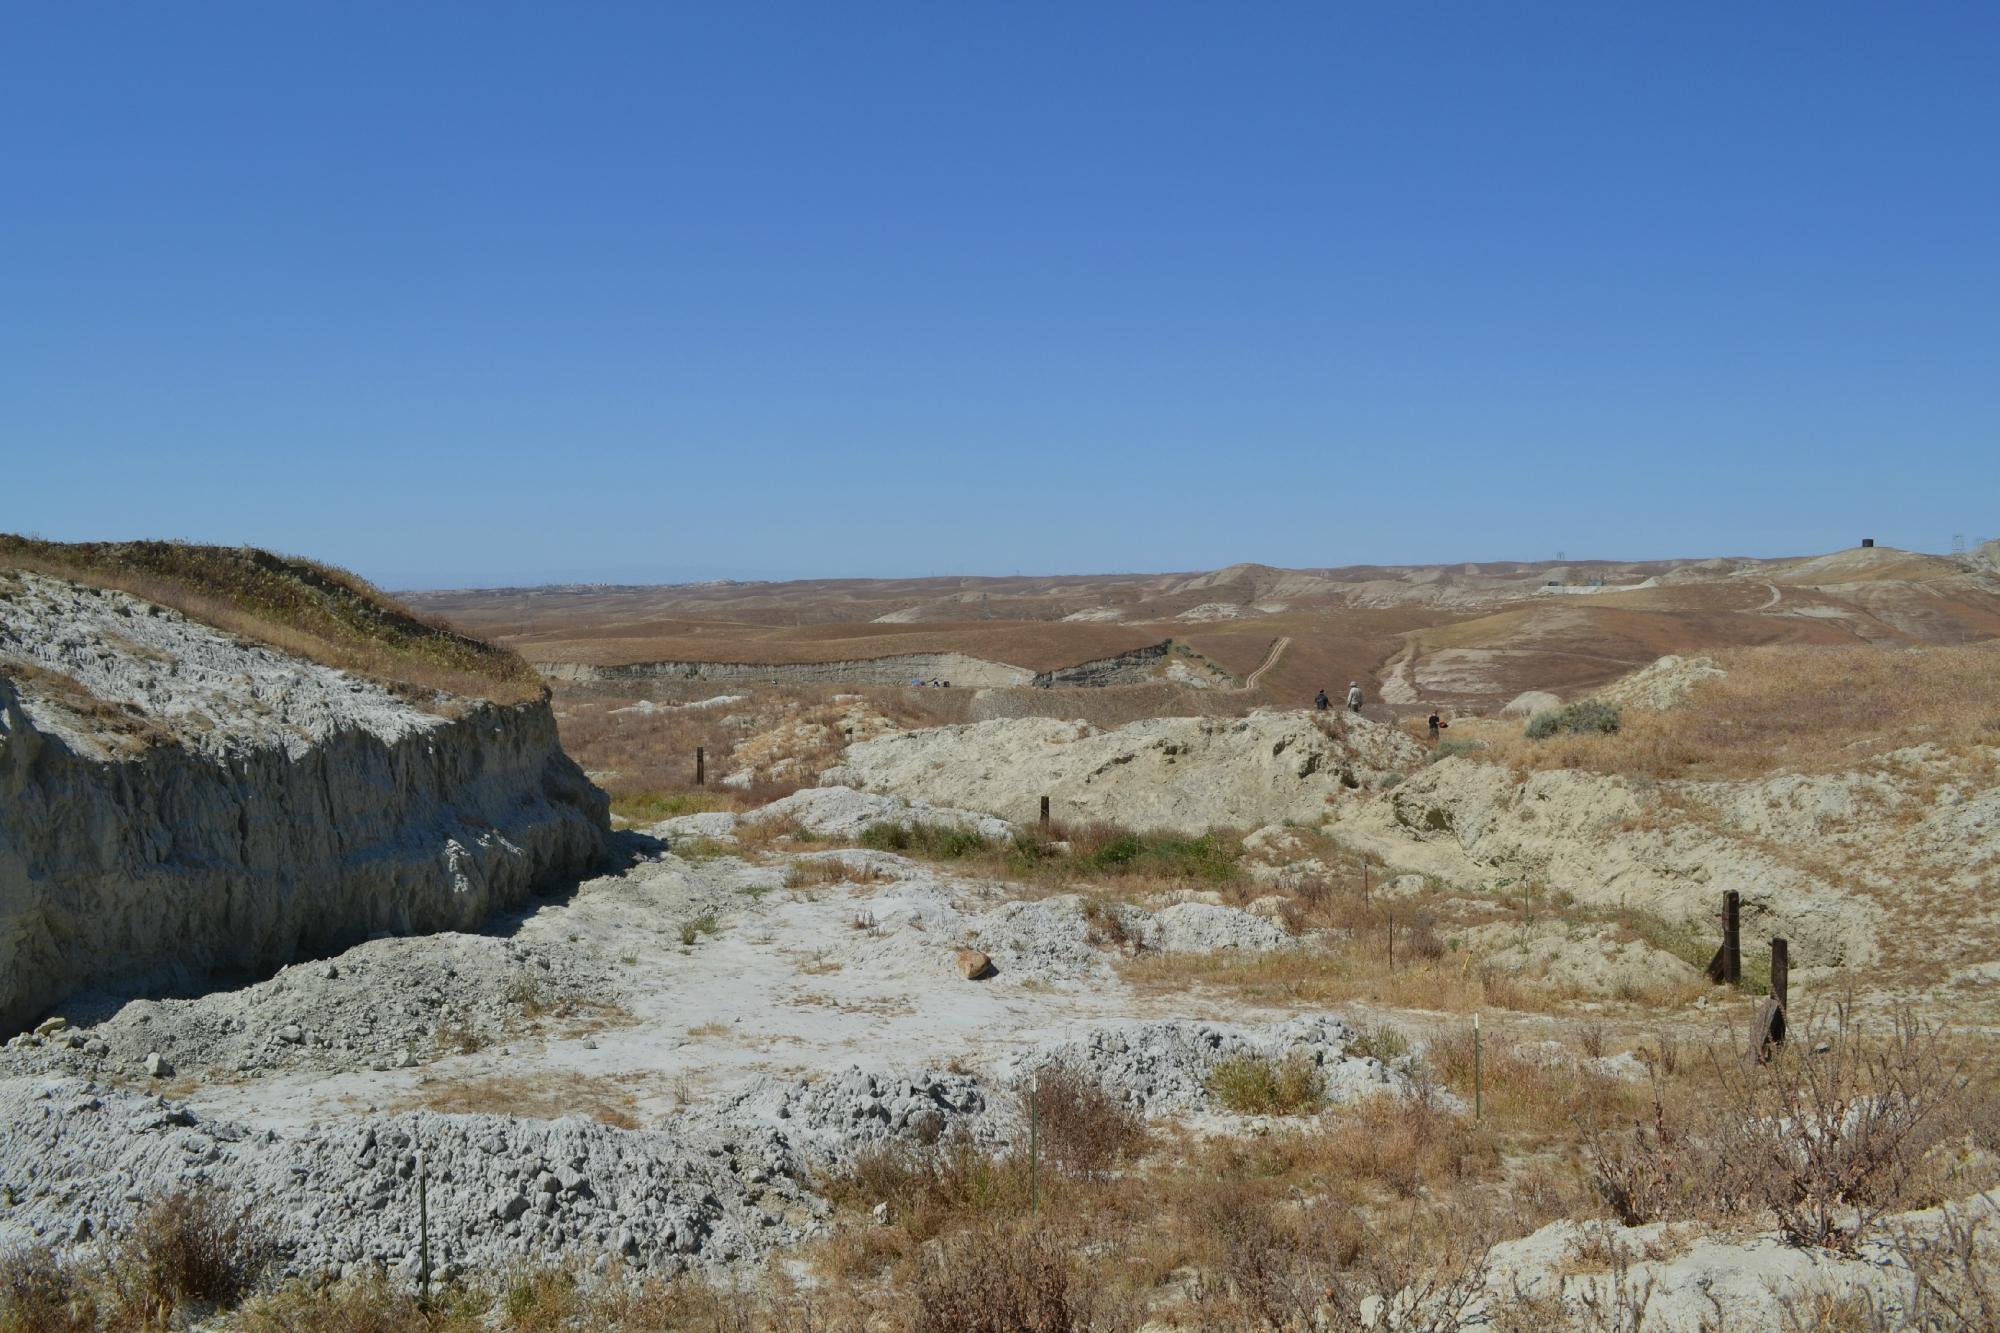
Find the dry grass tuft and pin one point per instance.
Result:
(819, 871)
(1840, 1127)
(607, 1100)
(1009, 1278)
(1082, 1129)
(1259, 1085)
(42, 1294)
(191, 1251)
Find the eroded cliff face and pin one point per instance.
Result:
(177, 804)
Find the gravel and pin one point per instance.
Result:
(384, 1004)
(500, 1189)
(825, 1121)
(1162, 1068)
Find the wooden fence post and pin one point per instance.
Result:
(1045, 814)
(1727, 965)
(700, 767)
(1769, 1029)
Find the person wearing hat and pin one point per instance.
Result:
(1353, 696)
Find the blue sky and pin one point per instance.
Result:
(495, 292)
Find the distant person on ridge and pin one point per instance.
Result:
(1353, 696)
(1320, 702)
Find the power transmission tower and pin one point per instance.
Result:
(1958, 543)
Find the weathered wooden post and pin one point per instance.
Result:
(1727, 965)
(1045, 814)
(1769, 1030)
(700, 767)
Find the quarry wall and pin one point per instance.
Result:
(179, 805)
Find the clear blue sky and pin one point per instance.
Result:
(490, 292)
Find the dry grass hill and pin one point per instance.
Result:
(1463, 636)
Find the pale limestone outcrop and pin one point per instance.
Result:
(1184, 773)
(1615, 842)
(177, 803)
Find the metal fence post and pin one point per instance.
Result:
(423, 1227)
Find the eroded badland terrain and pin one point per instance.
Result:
(387, 964)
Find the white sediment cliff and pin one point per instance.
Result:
(178, 803)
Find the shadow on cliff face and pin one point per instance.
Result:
(623, 849)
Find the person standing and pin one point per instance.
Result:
(1353, 696)
(1320, 703)
(1437, 725)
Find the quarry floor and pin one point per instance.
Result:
(787, 983)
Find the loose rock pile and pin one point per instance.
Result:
(387, 1003)
(827, 1120)
(1162, 1068)
(85, 1159)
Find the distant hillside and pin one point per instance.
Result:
(1469, 636)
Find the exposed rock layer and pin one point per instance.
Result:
(177, 803)
(1190, 774)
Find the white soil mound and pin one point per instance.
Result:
(1665, 684)
(1613, 842)
(386, 1003)
(1530, 703)
(1181, 773)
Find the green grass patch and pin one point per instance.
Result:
(1584, 718)
(1259, 1085)
(1446, 749)
(932, 842)
(1696, 946)
(650, 807)
(1379, 1043)
(1210, 858)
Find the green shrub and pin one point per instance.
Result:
(1446, 749)
(1379, 1043)
(933, 842)
(1586, 717)
(1259, 1085)
(1103, 849)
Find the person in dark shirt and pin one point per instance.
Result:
(1437, 726)
(1320, 701)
